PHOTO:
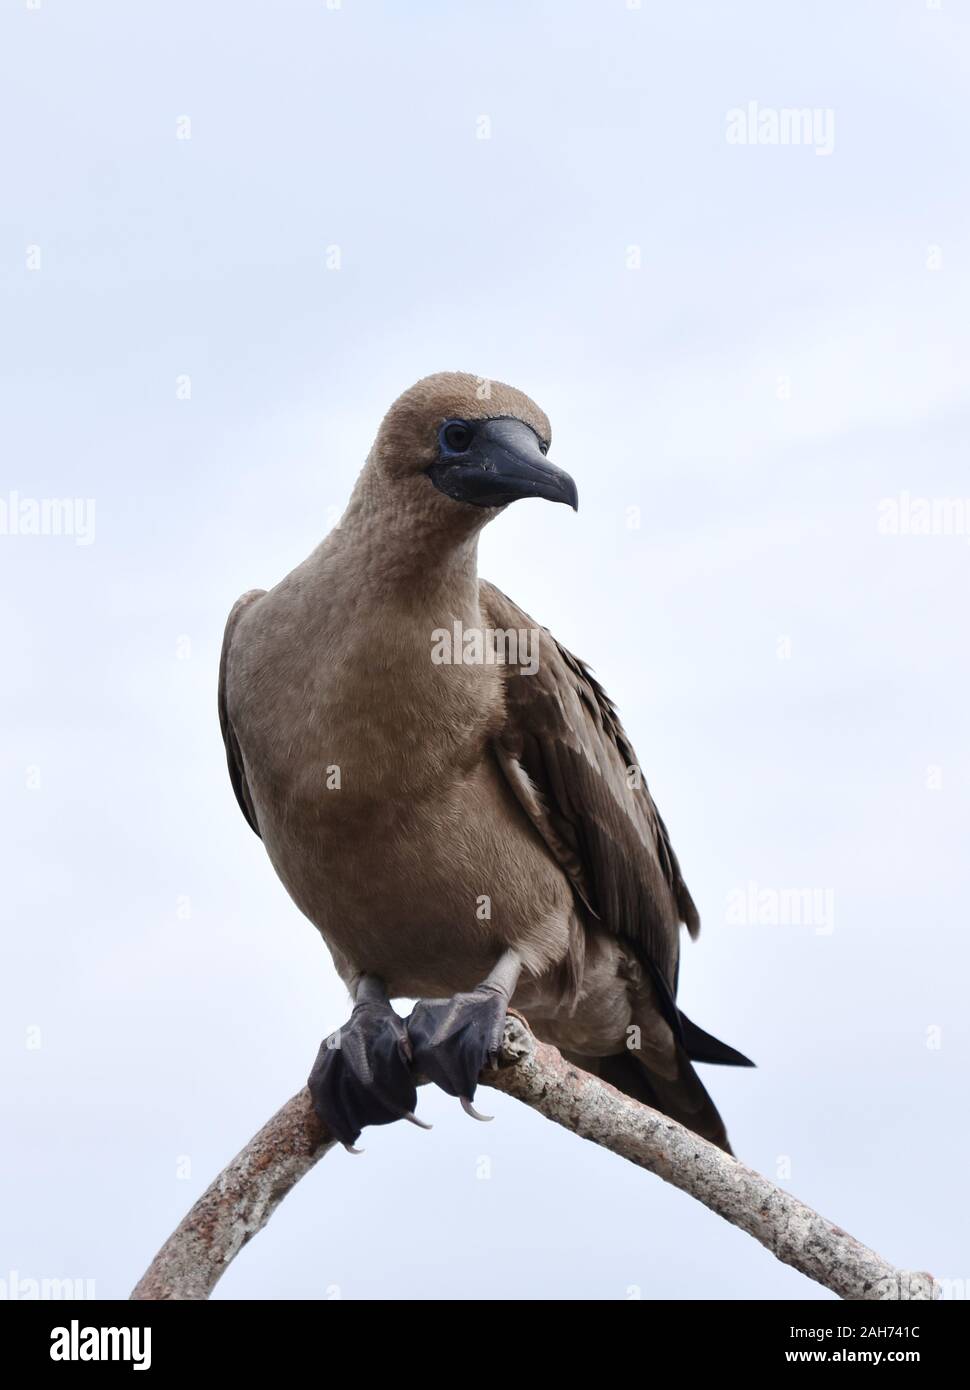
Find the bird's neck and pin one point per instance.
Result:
(362, 666)
(406, 557)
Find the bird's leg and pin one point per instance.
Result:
(362, 1074)
(453, 1039)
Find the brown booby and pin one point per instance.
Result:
(465, 823)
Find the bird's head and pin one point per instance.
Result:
(456, 440)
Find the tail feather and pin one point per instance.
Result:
(702, 1047)
(682, 1097)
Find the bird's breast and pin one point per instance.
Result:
(385, 813)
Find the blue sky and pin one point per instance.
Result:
(201, 334)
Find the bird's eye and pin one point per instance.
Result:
(455, 436)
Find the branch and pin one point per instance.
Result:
(246, 1193)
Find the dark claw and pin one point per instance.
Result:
(452, 1040)
(361, 1075)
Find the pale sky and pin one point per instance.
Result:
(744, 350)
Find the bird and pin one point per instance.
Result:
(448, 794)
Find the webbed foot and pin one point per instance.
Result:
(362, 1074)
(452, 1040)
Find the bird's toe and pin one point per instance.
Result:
(452, 1040)
(362, 1074)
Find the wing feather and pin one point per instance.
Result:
(234, 758)
(572, 767)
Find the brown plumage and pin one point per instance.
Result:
(434, 820)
